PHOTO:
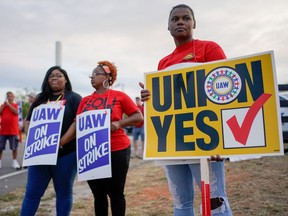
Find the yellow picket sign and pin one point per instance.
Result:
(228, 107)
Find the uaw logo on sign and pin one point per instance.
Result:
(228, 107)
(93, 144)
(223, 85)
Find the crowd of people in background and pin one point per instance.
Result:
(56, 87)
(138, 132)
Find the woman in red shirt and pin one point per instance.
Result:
(103, 76)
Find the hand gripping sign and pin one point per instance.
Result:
(93, 145)
(44, 135)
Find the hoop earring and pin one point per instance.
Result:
(105, 86)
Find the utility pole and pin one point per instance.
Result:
(58, 53)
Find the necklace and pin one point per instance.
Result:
(59, 97)
(91, 97)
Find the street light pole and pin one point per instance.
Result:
(58, 53)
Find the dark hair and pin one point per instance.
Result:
(46, 89)
(183, 6)
(9, 92)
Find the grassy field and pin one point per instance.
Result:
(255, 187)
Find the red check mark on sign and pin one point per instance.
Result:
(241, 133)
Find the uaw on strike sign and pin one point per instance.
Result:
(227, 107)
(43, 136)
(93, 145)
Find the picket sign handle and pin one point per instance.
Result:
(205, 187)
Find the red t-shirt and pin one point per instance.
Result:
(193, 51)
(9, 121)
(119, 103)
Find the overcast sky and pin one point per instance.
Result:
(131, 33)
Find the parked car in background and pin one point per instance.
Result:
(283, 96)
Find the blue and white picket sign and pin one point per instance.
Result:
(44, 135)
(93, 145)
(20, 113)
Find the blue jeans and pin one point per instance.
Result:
(138, 132)
(63, 175)
(181, 184)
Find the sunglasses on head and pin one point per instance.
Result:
(105, 68)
